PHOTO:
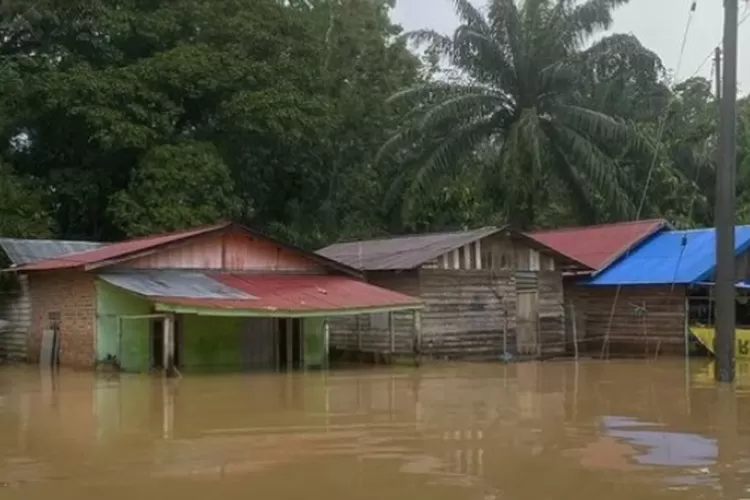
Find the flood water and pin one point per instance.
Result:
(589, 430)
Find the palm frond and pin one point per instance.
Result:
(464, 106)
(594, 15)
(460, 142)
(593, 124)
(434, 40)
(469, 14)
(483, 57)
(591, 163)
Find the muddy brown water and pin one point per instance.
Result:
(589, 430)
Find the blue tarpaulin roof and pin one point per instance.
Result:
(671, 257)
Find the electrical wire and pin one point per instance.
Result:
(657, 150)
(745, 17)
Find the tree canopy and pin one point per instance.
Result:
(316, 120)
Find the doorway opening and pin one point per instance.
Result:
(290, 344)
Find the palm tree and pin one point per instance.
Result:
(517, 95)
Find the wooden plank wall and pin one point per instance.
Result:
(551, 314)
(15, 307)
(465, 313)
(645, 321)
(364, 333)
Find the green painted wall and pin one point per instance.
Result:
(211, 342)
(133, 353)
(315, 350)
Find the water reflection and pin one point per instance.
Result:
(615, 429)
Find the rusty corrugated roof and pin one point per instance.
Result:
(114, 252)
(598, 246)
(402, 252)
(264, 293)
(24, 251)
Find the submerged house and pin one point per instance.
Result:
(487, 293)
(644, 302)
(15, 300)
(597, 247)
(216, 297)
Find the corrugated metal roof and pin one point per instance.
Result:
(21, 251)
(266, 293)
(679, 257)
(401, 252)
(599, 246)
(113, 252)
(167, 283)
(117, 250)
(301, 293)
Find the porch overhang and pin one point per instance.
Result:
(260, 295)
(213, 310)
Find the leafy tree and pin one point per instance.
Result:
(518, 91)
(23, 211)
(176, 187)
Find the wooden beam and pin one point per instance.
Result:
(392, 332)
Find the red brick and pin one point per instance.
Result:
(72, 294)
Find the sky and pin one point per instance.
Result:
(658, 24)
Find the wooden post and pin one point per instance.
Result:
(417, 341)
(574, 322)
(358, 322)
(169, 345)
(392, 332)
(505, 328)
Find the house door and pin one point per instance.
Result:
(527, 312)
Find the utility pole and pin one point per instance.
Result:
(725, 203)
(717, 66)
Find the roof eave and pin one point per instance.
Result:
(663, 224)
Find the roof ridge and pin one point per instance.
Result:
(415, 235)
(52, 240)
(598, 226)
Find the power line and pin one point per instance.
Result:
(745, 17)
(649, 177)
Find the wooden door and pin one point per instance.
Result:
(527, 312)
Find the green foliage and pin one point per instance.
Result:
(22, 208)
(517, 92)
(169, 191)
(313, 121)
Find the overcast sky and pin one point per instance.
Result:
(658, 24)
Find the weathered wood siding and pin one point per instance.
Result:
(372, 333)
(551, 314)
(233, 251)
(638, 320)
(467, 313)
(471, 304)
(15, 307)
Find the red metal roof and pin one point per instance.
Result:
(117, 250)
(298, 293)
(114, 252)
(598, 246)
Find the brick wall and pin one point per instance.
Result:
(72, 295)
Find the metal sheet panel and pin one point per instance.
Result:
(404, 252)
(290, 294)
(179, 284)
(21, 251)
(671, 257)
(598, 246)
